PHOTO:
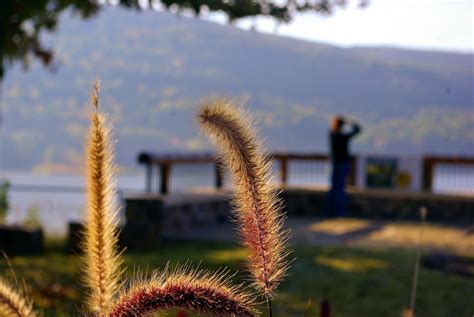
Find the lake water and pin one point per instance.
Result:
(65, 201)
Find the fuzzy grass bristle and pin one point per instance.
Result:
(14, 304)
(258, 210)
(101, 260)
(192, 290)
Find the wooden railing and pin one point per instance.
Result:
(430, 162)
(285, 158)
(163, 163)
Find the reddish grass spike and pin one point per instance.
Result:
(101, 261)
(258, 210)
(12, 303)
(196, 291)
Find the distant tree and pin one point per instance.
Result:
(22, 21)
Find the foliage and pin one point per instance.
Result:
(23, 21)
(32, 216)
(4, 204)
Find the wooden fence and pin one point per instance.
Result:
(162, 164)
(430, 162)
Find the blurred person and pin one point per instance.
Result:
(339, 138)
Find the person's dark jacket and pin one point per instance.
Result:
(340, 144)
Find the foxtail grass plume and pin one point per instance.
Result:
(101, 260)
(13, 303)
(258, 210)
(193, 290)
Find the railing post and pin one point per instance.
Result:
(148, 177)
(219, 175)
(165, 175)
(427, 175)
(351, 179)
(283, 170)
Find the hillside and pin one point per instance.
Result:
(156, 68)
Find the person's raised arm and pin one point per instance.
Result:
(356, 129)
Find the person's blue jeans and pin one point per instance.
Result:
(337, 197)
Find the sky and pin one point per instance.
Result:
(420, 24)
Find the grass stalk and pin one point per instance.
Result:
(101, 260)
(257, 208)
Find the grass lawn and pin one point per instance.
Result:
(404, 234)
(357, 282)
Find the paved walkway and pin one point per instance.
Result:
(354, 232)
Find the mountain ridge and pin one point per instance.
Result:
(157, 68)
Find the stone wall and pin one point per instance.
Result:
(385, 204)
(148, 216)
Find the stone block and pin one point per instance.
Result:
(74, 237)
(144, 211)
(141, 236)
(18, 240)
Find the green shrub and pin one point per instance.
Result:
(4, 204)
